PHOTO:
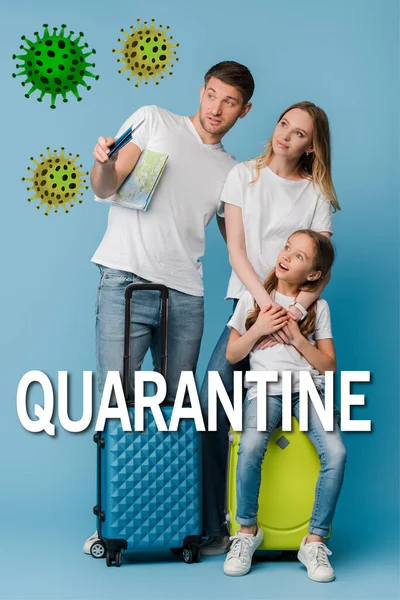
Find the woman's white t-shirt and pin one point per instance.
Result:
(272, 209)
(281, 357)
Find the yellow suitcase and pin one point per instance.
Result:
(289, 474)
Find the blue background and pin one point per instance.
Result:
(342, 55)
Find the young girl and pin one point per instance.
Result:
(288, 187)
(305, 259)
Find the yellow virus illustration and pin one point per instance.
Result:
(147, 52)
(56, 181)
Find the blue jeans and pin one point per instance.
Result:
(215, 444)
(252, 448)
(185, 328)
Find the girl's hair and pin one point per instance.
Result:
(323, 259)
(317, 165)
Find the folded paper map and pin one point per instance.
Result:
(138, 188)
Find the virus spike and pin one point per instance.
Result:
(57, 50)
(33, 88)
(89, 75)
(76, 94)
(78, 38)
(31, 44)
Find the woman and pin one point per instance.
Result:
(286, 188)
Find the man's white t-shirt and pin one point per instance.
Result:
(272, 209)
(281, 357)
(165, 243)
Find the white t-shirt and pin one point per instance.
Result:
(165, 243)
(281, 357)
(272, 209)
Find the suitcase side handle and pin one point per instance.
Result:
(130, 289)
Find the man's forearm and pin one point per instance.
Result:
(103, 179)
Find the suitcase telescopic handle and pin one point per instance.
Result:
(130, 289)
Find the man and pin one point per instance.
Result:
(165, 243)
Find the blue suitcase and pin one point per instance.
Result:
(149, 482)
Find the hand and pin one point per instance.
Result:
(281, 337)
(270, 319)
(284, 335)
(102, 149)
(295, 332)
(266, 342)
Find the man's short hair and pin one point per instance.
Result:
(235, 74)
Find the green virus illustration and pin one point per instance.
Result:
(54, 64)
(147, 52)
(56, 181)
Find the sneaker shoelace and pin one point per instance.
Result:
(319, 554)
(240, 547)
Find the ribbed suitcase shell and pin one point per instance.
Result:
(150, 484)
(288, 477)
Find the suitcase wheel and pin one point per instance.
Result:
(190, 553)
(98, 549)
(113, 557)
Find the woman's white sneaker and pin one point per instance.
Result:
(89, 542)
(243, 546)
(314, 557)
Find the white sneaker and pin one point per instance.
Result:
(314, 557)
(89, 542)
(238, 561)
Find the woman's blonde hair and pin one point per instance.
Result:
(316, 165)
(323, 259)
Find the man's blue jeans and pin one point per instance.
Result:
(215, 444)
(185, 328)
(252, 447)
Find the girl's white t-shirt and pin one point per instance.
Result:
(165, 244)
(272, 209)
(281, 357)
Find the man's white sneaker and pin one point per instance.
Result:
(243, 546)
(89, 542)
(314, 557)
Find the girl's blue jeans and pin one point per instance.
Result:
(215, 446)
(252, 448)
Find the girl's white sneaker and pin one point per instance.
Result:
(314, 557)
(243, 546)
